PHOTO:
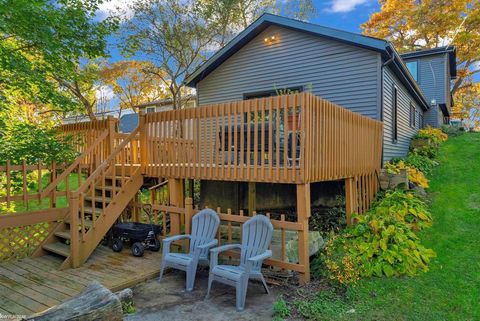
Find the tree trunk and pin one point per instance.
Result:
(95, 302)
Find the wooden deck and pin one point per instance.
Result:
(35, 284)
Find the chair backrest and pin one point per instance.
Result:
(256, 236)
(204, 228)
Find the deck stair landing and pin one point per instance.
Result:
(32, 285)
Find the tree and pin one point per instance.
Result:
(44, 40)
(173, 34)
(178, 35)
(467, 104)
(132, 83)
(413, 25)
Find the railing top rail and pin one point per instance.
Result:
(105, 163)
(72, 166)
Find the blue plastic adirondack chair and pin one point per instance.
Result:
(204, 228)
(256, 236)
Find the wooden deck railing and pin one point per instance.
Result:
(84, 134)
(286, 139)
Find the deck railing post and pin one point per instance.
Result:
(143, 141)
(188, 218)
(111, 135)
(74, 236)
(303, 214)
(350, 198)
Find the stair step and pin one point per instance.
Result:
(108, 188)
(98, 199)
(89, 210)
(58, 248)
(63, 234)
(88, 223)
(117, 177)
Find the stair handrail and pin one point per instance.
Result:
(105, 163)
(53, 185)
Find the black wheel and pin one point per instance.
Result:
(117, 245)
(155, 245)
(138, 249)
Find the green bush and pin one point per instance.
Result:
(280, 309)
(381, 242)
(453, 130)
(420, 162)
(33, 142)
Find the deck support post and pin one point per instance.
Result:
(176, 194)
(74, 234)
(303, 214)
(350, 198)
(252, 198)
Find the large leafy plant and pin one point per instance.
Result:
(414, 175)
(381, 242)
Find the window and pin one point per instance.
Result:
(413, 115)
(394, 115)
(269, 93)
(420, 123)
(150, 109)
(413, 68)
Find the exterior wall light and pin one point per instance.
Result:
(433, 102)
(269, 40)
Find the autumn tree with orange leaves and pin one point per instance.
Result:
(412, 25)
(131, 83)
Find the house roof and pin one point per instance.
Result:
(128, 123)
(166, 101)
(382, 46)
(450, 50)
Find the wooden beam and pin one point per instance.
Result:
(30, 218)
(252, 197)
(303, 214)
(176, 194)
(350, 198)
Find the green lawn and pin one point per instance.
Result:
(451, 289)
(45, 203)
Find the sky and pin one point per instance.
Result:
(341, 14)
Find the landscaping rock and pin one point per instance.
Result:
(315, 243)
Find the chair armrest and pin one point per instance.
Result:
(208, 245)
(215, 251)
(225, 247)
(167, 241)
(257, 258)
(260, 257)
(198, 249)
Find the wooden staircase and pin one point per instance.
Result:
(94, 207)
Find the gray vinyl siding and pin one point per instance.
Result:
(405, 131)
(341, 73)
(434, 117)
(433, 79)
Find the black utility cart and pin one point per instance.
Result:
(140, 235)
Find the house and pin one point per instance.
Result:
(363, 74)
(187, 101)
(433, 69)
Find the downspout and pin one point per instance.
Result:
(386, 63)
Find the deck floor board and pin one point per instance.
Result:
(34, 284)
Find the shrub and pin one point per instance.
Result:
(434, 134)
(381, 242)
(280, 309)
(414, 175)
(453, 130)
(420, 162)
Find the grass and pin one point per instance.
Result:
(33, 205)
(451, 289)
